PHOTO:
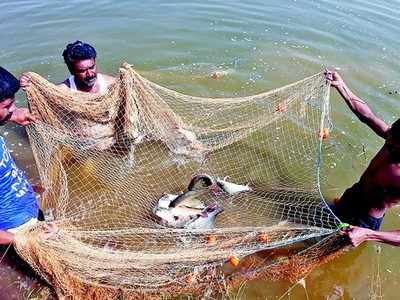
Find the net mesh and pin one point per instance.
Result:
(105, 161)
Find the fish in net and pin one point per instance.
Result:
(105, 162)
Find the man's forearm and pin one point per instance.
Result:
(6, 237)
(363, 111)
(387, 237)
(358, 106)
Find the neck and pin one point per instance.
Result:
(85, 88)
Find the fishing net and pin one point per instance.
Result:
(106, 160)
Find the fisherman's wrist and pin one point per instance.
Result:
(371, 235)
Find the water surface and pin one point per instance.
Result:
(260, 45)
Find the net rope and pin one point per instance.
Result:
(105, 161)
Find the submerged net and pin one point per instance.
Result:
(105, 161)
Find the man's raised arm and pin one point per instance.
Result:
(357, 106)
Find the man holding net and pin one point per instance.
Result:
(365, 203)
(18, 202)
(80, 59)
(116, 121)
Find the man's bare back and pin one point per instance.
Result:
(380, 183)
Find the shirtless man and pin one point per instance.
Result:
(366, 202)
(80, 59)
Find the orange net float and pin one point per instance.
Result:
(234, 261)
(281, 107)
(324, 133)
(211, 240)
(263, 238)
(190, 279)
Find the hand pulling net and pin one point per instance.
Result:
(105, 161)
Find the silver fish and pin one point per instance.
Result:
(198, 186)
(232, 188)
(187, 210)
(206, 220)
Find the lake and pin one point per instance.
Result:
(260, 45)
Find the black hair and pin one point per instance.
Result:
(78, 51)
(395, 131)
(9, 85)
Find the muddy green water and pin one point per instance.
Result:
(260, 45)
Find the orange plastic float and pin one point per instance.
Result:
(211, 239)
(324, 133)
(234, 261)
(281, 107)
(264, 238)
(190, 279)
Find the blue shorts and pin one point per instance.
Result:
(361, 220)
